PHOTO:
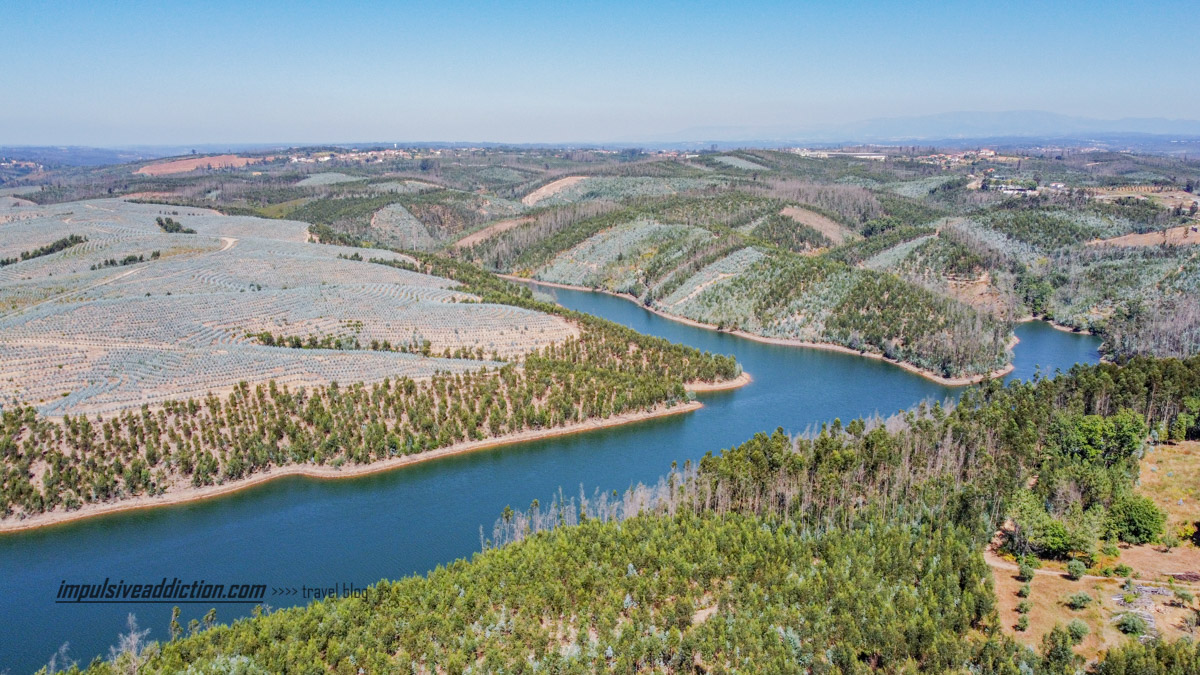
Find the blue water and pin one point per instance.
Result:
(298, 531)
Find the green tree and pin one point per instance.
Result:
(1136, 520)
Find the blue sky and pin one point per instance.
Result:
(107, 73)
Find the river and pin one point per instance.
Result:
(297, 532)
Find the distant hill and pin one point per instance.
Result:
(70, 155)
(1008, 123)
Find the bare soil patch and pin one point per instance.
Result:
(490, 231)
(1049, 590)
(193, 163)
(550, 189)
(1176, 236)
(835, 231)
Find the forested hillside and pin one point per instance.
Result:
(242, 429)
(853, 550)
(734, 261)
(950, 247)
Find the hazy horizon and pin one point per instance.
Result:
(228, 73)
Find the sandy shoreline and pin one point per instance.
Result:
(789, 342)
(327, 472)
(739, 381)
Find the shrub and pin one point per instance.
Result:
(1184, 597)
(1022, 623)
(1077, 630)
(1123, 570)
(1075, 570)
(1025, 572)
(1135, 519)
(1023, 591)
(1079, 601)
(1023, 607)
(1131, 624)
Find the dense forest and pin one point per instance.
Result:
(854, 550)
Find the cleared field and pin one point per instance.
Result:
(328, 178)
(836, 232)
(1048, 607)
(549, 190)
(489, 232)
(137, 316)
(739, 163)
(612, 188)
(1184, 235)
(394, 225)
(1170, 475)
(193, 163)
(404, 186)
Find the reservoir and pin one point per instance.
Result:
(297, 532)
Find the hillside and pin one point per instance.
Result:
(738, 261)
(150, 360)
(949, 247)
(857, 549)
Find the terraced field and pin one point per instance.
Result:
(136, 316)
(328, 178)
(394, 225)
(577, 189)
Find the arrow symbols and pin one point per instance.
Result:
(283, 591)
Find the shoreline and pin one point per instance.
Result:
(702, 387)
(1057, 326)
(791, 342)
(320, 472)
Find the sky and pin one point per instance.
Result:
(122, 73)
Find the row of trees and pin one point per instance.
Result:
(53, 247)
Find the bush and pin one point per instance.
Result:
(1131, 624)
(1025, 572)
(1123, 570)
(1023, 607)
(1023, 591)
(1184, 597)
(1023, 623)
(1075, 570)
(1135, 519)
(1079, 601)
(1077, 630)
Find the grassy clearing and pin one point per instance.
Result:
(1170, 475)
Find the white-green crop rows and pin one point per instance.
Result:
(328, 178)
(618, 187)
(74, 339)
(395, 226)
(739, 163)
(611, 258)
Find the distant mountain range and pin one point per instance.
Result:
(1009, 125)
(1007, 128)
(1016, 123)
